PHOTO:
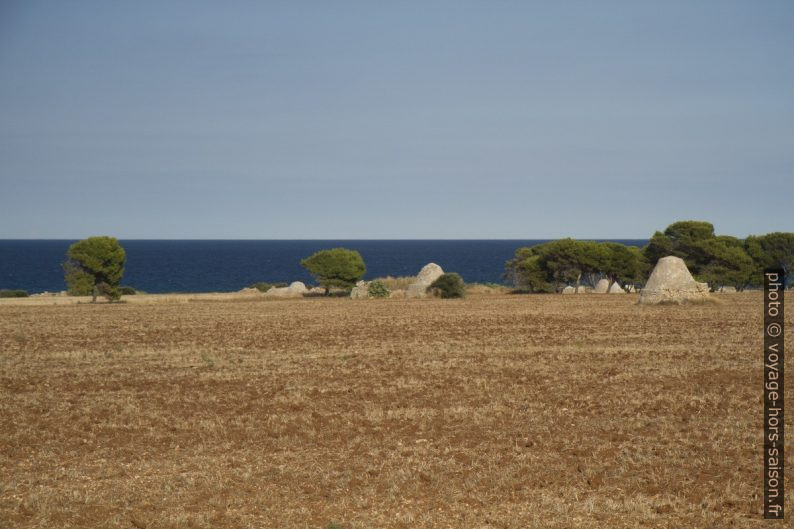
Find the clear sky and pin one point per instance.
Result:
(489, 119)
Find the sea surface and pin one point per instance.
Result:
(229, 265)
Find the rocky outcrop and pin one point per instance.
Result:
(429, 273)
(360, 291)
(569, 290)
(616, 289)
(296, 289)
(671, 282)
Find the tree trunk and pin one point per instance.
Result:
(94, 293)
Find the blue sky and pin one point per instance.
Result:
(402, 120)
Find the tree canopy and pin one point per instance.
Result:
(338, 267)
(719, 260)
(722, 260)
(547, 267)
(95, 266)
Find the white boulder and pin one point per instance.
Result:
(296, 289)
(429, 273)
(360, 291)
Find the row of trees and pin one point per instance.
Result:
(718, 260)
(548, 267)
(95, 266)
(721, 260)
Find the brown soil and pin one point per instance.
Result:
(495, 411)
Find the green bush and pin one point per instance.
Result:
(377, 289)
(449, 286)
(261, 286)
(127, 291)
(264, 286)
(13, 294)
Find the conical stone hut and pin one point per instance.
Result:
(671, 282)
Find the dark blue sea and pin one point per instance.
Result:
(226, 265)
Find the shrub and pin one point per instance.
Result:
(127, 291)
(264, 286)
(261, 286)
(338, 267)
(13, 294)
(377, 289)
(449, 285)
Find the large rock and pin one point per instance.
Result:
(569, 290)
(296, 289)
(727, 290)
(429, 273)
(360, 291)
(581, 289)
(671, 282)
(601, 287)
(616, 289)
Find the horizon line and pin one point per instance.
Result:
(335, 239)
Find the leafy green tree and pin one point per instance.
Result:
(567, 260)
(720, 259)
(687, 236)
(338, 267)
(78, 282)
(686, 232)
(726, 262)
(449, 285)
(526, 273)
(660, 245)
(622, 264)
(546, 267)
(95, 266)
(773, 250)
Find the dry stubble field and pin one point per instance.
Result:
(502, 411)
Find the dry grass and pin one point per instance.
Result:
(397, 283)
(495, 411)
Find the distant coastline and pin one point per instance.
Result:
(194, 265)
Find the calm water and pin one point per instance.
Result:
(217, 266)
